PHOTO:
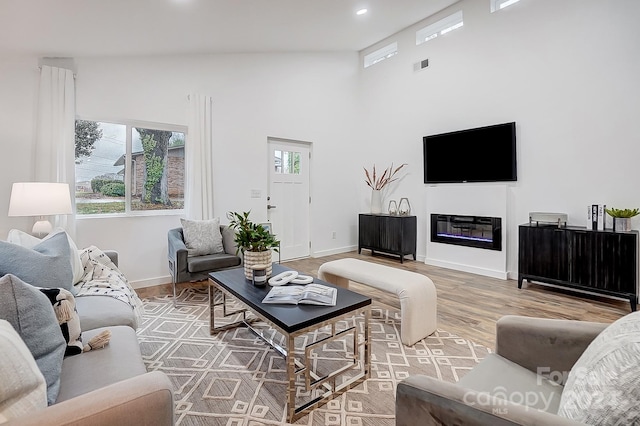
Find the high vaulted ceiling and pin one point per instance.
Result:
(77, 28)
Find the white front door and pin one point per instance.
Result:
(288, 199)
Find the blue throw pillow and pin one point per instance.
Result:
(48, 264)
(32, 316)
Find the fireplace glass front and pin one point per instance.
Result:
(471, 231)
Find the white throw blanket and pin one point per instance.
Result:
(102, 277)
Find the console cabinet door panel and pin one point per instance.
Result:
(368, 231)
(391, 234)
(544, 253)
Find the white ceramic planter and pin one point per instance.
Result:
(257, 258)
(376, 201)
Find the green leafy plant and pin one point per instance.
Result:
(113, 189)
(378, 182)
(622, 212)
(154, 165)
(251, 236)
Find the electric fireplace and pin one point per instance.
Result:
(471, 231)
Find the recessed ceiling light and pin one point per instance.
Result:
(361, 12)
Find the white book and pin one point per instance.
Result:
(589, 221)
(601, 217)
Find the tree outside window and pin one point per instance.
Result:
(153, 179)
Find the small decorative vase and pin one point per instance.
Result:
(256, 258)
(376, 201)
(404, 208)
(622, 224)
(393, 207)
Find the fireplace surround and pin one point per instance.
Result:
(471, 231)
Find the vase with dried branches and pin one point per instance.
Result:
(378, 182)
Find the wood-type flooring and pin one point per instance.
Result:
(469, 305)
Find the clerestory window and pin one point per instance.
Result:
(439, 28)
(501, 4)
(381, 54)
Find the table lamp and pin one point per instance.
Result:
(40, 199)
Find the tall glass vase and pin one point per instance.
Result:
(376, 201)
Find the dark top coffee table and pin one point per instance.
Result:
(293, 321)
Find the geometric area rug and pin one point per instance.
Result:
(234, 378)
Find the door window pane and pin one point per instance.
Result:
(287, 162)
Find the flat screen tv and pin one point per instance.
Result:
(483, 154)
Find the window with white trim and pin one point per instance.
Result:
(381, 54)
(128, 167)
(501, 4)
(439, 28)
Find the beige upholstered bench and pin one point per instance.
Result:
(417, 293)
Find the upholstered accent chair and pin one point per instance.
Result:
(185, 268)
(544, 372)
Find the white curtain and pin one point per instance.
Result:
(55, 134)
(199, 159)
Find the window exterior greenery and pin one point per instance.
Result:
(126, 168)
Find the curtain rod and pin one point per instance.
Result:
(74, 74)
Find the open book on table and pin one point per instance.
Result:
(311, 294)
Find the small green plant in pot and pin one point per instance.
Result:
(254, 241)
(622, 218)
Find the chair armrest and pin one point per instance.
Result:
(544, 345)
(113, 255)
(177, 254)
(141, 400)
(422, 400)
(176, 243)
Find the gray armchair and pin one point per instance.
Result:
(490, 392)
(196, 268)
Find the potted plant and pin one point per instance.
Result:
(622, 218)
(254, 241)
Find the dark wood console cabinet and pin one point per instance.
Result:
(387, 234)
(602, 262)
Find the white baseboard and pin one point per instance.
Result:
(339, 250)
(150, 282)
(467, 268)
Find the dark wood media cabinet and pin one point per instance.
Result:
(387, 234)
(602, 262)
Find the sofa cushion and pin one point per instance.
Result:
(22, 388)
(202, 237)
(23, 239)
(47, 264)
(104, 311)
(119, 360)
(31, 315)
(603, 386)
(507, 380)
(211, 262)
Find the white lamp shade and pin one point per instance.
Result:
(39, 199)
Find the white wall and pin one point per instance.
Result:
(566, 72)
(309, 97)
